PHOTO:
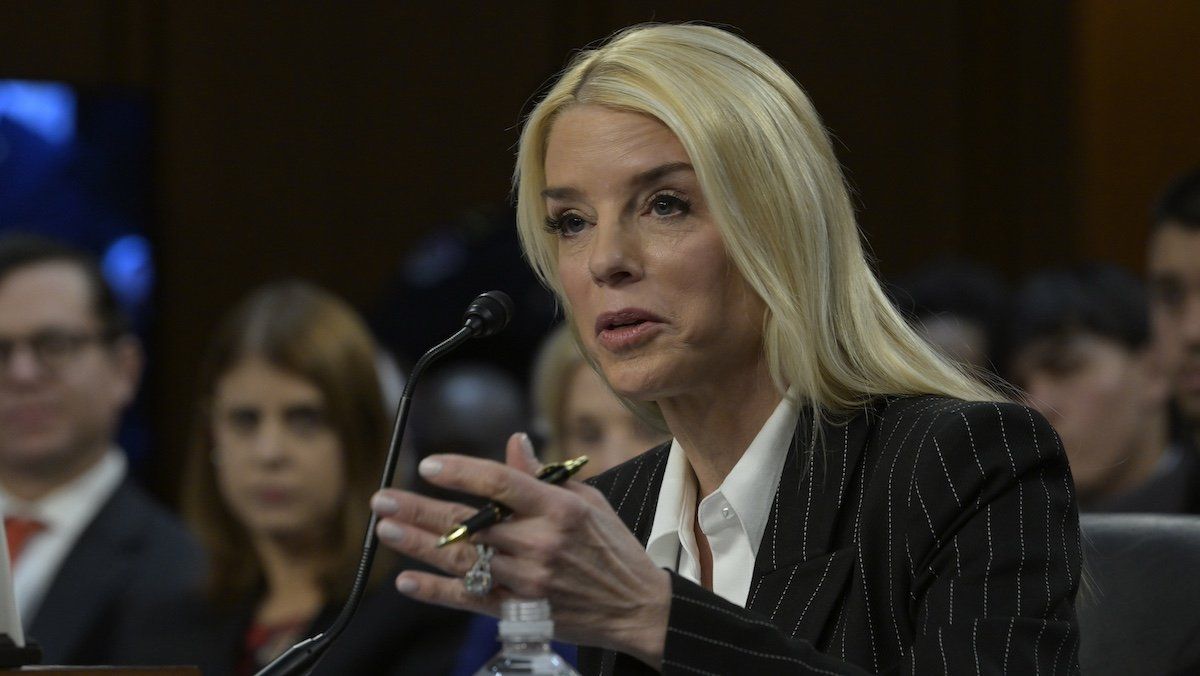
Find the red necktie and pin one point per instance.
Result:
(18, 530)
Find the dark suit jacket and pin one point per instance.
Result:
(132, 550)
(923, 535)
(390, 634)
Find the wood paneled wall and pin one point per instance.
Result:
(1136, 71)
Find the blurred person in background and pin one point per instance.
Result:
(467, 407)
(575, 413)
(1079, 345)
(955, 306)
(472, 251)
(85, 542)
(290, 439)
(1174, 271)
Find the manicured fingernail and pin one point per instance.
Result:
(527, 446)
(406, 586)
(384, 505)
(390, 531)
(429, 467)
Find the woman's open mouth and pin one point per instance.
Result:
(626, 329)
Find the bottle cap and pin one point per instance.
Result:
(524, 619)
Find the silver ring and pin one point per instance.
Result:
(478, 580)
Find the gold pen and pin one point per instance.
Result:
(494, 512)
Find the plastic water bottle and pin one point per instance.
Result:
(525, 631)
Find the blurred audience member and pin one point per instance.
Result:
(467, 407)
(577, 414)
(1174, 267)
(474, 251)
(85, 542)
(288, 446)
(955, 306)
(1080, 347)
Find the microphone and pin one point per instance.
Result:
(487, 315)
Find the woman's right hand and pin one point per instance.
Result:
(563, 543)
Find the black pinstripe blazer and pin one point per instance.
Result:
(925, 535)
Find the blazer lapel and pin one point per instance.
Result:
(79, 594)
(807, 555)
(805, 559)
(632, 490)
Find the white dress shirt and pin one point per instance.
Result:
(733, 518)
(66, 511)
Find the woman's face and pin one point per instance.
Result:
(279, 463)
(654, 295)
(595, 424)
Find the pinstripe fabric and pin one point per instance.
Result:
(925, 535)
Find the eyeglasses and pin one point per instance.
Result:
(53, 348)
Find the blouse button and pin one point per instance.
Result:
(727, 512)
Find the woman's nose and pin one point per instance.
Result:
(615, 257)
(270, 448)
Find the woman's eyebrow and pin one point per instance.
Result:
(639, 180)
(560, 193)
(659, 172)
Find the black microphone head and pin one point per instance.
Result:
(488, 314)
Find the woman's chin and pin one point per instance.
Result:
(636, 387)
(648, 377)
(285, 532)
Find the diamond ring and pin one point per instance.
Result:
(478, 579)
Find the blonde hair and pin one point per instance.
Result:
(558, 359)
(777, 194)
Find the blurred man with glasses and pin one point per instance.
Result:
(83, 539)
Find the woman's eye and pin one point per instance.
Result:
(566, 225)
(668, 205)
(243, 420)
(304, 420)
(587, 433)
(573, 225)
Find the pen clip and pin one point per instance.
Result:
(570, 466)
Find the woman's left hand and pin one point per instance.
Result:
(563, 543)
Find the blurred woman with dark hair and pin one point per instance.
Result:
(288, 444)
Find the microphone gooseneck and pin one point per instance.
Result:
(487, 315)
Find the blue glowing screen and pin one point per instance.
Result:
(75, 165)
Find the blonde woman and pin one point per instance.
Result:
(837, 498)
